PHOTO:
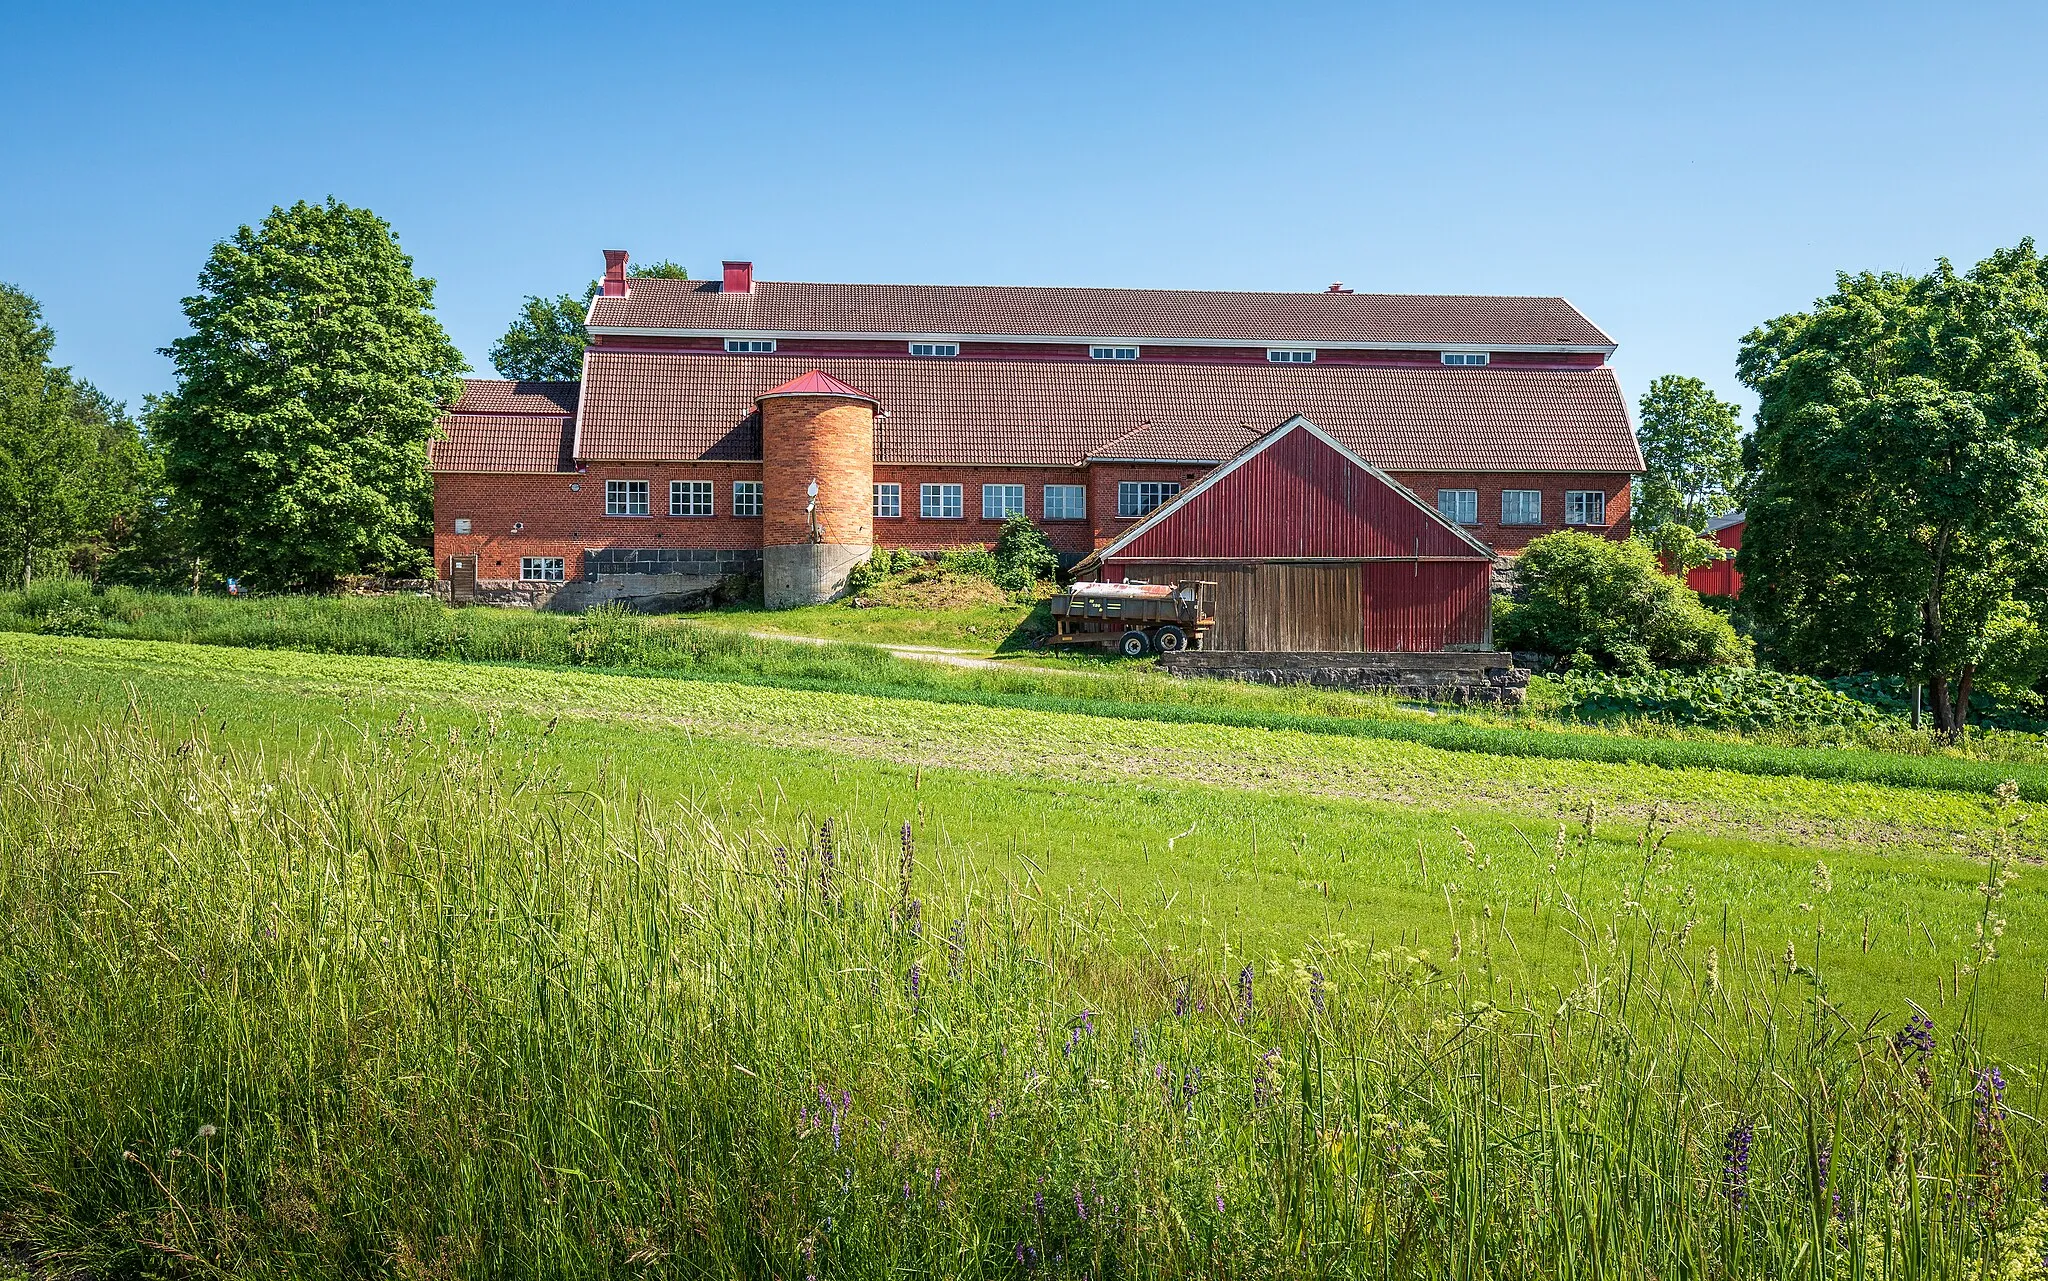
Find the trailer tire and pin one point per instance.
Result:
(1170, 639)
(1133, 645)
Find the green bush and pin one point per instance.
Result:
(1601, 603)
(881, 565)
(72, 618)
(969, 560)
(607, 636)
(1729, 698)
(1023, 556)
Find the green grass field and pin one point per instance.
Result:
(319, 964)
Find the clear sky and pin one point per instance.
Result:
(1681, 172)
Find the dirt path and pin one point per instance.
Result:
(923, 653)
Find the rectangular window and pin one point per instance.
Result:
(1136, 498)
(935, 349)
(540, 569)
(1000, 502)
(939, 502)
(746, 498)
(1291, 355)
(625, 498)
(689, 498)
(1464, 357)
(888, 500)
(1066, 502)
(750, 346)
(1112, 353)
(1585, 507)
(1521, 507)
(1458, 506)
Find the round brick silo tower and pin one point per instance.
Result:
(815, 428)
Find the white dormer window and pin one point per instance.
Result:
(935, 349)
(1112, 353)
(1291, 355)
(1464, 357)
(749, 346)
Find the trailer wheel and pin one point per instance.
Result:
(1134, 645)
(1170, 639)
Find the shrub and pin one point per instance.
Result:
(72, 618)
(1022, 555)
(1731, 698)
(969, 560)
(881, 565)
(1608, 604)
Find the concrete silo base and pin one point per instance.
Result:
(807, 573)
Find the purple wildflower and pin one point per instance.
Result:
(1080, 1205)
(1219, 1203)
(1735, 1171)
(916, 981)
(1244, 993)
(956, 947)
(1180, 999)
(826, 861)
(1038, 1199)
(1191, 1083)
(1915, 1040)
(1317, 988)
(1262, 1077)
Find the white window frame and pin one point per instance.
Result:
(746, 498)
(542, 569)
(622, 496)
(1106, 352)
(937, 350)
(1291, 355)
(1578, 501)
(683, 496)
(1464, 357)
(996, 504)
(888, 500)
(750, 346)
(1131, 496)
(935, 500)
(1535, 518)
(1067, 492)
(1463, 507)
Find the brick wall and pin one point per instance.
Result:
(1102, 492)
(563, 514)
(1512, 538)
(914, 531)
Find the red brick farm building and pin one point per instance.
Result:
(927, 414)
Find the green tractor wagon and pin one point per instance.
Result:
(1134, 618)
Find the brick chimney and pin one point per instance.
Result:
(739, 278)
(615, 273)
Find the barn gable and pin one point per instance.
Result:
(1296, 494)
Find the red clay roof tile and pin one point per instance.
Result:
(1417, 320)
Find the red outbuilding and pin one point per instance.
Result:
(1720, 578)
(1312, 549)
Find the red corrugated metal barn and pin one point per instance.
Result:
(1312, 548)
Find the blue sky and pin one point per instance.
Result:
(1681, 172)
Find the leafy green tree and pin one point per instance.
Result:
(1606, 603)
(546, 342)
(1692, 453)
(1022, 554)
(69, 456)
(307, 392)
(1899, 513)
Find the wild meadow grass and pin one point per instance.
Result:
(680, 649)
(413, 999)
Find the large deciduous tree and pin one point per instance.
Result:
(546, 342)
(70, 458)
(1692, 458)
(307, 392)
(1898, 519)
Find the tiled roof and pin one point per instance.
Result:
(501, 426)
(816, 383)
(499, 396)
(1421, 320)
(673, 406)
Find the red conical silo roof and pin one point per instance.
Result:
(817, 383)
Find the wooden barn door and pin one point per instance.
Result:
(1304, 608)
(461, 580)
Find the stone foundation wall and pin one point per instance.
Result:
(1443, 677)
(603, 562)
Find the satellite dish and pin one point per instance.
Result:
(813, 490)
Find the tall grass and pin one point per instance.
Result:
(427, 1010)
(422, 628)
